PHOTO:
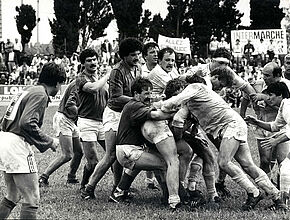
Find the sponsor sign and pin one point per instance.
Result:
(8, 91)
(277, 35)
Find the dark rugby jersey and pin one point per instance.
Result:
(24, 116)
(120, 82)
(133, 116)
(91, 105)
(69, 102)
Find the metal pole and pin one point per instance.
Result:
(37, 21)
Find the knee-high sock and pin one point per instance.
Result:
(209, 179)
(6, 207)
(285, 175)
(86, 174)
(194, 171)
(246, 184)
(126, 181)
(28, 211)
(264, 182)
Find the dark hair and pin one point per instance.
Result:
(51, 74)
(147, 46)
(164, 51)
(278, 88)
(140, 84)
(89, 52)
(277, 71)
(173, 86)
(224, 74)
(129, 45)
(222, 52)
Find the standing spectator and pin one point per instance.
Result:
(17, 50)
(213, 45)
(28, 81)
(262, 49)
(237, 51)
(106, 48)
(115, 46)
(248, 50)
(10, 59)
(187, 61)
(224, 44)
(271, 49)
(277, 60)
(21, 132)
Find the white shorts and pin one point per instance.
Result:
(127, 155)
(236, 129)
(16, 155)
(156, 131)
(62, 124)
(111, 119)
(91, 130)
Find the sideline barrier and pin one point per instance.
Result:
(8, 91)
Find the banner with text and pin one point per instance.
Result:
(277, 35)
(180, 45)
(8, 91)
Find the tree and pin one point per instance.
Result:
(144, 25)
(25, 22)
(65, 26)
(94, 18)
(210, 17)
(156, 27)
(127, 14)
(265, 14)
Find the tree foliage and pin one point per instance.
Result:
(265, 14)
(144, 24)
(127, 14)
(94, 18)
(65, 26)
(25, 22)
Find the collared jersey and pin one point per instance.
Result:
(91, 105)
(24, 116)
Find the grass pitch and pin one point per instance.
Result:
(62, 201)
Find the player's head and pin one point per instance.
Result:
(141, 90)
(130, 50)
(52, 75)
(222, 76)
(271, 73)
(89, 60)
(277, 91)
(166, 58)
(221, 57)
(150, 52)
(174, 87)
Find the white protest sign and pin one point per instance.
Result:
(179, 45)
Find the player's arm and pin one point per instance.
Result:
(178, 122)
(30, 123)
(116, 88)
(93, 87)
(159, 115)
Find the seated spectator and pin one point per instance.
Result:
(3, 79)
(187, 61)
(28, 81)
(277, 60)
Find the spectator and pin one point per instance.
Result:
(17, 50)
(237, 51)
(277, 60)
(3, 79)
(248, 50)
(271, 49)
(106, 48)
(213, 45)
(187, 61)
(224, 44)
(262, 49)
